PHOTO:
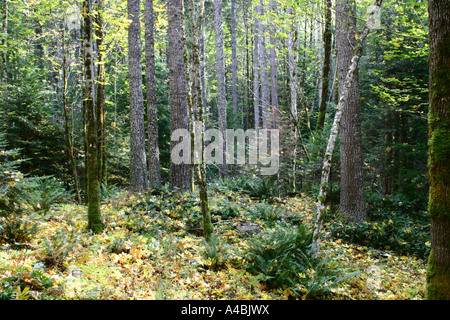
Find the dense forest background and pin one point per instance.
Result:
(280, 70)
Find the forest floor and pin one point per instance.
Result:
(152, 249)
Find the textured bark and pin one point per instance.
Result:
(221, 88)
(95, 221)
(234, 65)
(138, 159)
(100, 96)
(274, 68)
(326, 67)
(438, 269)
(343, 97)
(179, 114)
(352, 200)
(154, 173)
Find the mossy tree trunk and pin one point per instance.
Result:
(438, 271)
(95, 221)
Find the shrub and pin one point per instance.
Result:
(42, 193)
(58, 248)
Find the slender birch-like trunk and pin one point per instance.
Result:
(321, 205)
(265, 95)
(221, 88)
(256, 71)
(274, 68)
(234, 66)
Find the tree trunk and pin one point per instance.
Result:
(221, 88)
(293, 85)
(265, 96)
(100, 103)
(154, 176)
(438, 269)
(274, 68)
(352, 200)
(326, 67)
(234, 66)
(343, 96)
(256, 71)
(138, 159)
(4, 60)
(179, 114)
(95, 221)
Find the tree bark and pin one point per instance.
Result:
(95, 221)
(343, 96)
(326, 67)
(154, 176)
(352, 200)
(100, 103)
(234, 65)
(138, 159)
(438, 269)
(265, 95)
(256, 71)
(221, 88)
(274, 68)
(4, 61)
(179, 113)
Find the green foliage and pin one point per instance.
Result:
(41, 193)
(17, 229)
(285, 260)
(58, 248)
(256, 187)
(17, 286)
(392, 225)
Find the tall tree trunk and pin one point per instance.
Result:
(179, 113)
(293, 85)
(256, 70)
(343, 97)
(274, 67)
(327, 36)
(221, 87)
(197, 16)
(234, 66)
(265, 94)
(4, 60)
(138, 159)
(95, 221)
(154, 176)
(438, 269)
(100, 103)
(352, 200)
